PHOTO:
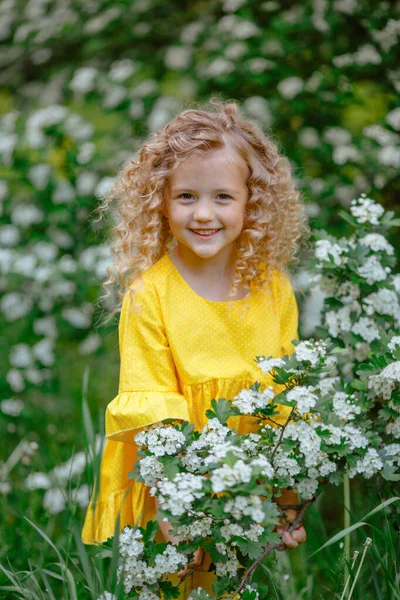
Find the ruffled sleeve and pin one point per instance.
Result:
(149, 390)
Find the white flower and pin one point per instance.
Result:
(308, 352)
(226, 477)
(366, 210)
(77, 317)
(26, 215)
(268, 364)
(39, 176)
(368, 466)
(44, 352)
(307, 488)
(151, 470)
(81, 495)
(64, 192)
(130, 544)
(83, 80)
(177, 496)
(290, 87)
(395, 341)
(54, 501)
(15, 380)
(90, 344)
(11, 407)
(178, 57)
(394, 428)
(161, 441)
(367, 329)
(45, 326)
(372, 270)
(103, 187)
(21, 356)
(121, 70)
(250, 401)
(384, 302)
(70, 468)
(377, 243)
(325, 250)
(86, 183)
(303, 397)
(107, 596)
(37, 481)
(391, 371)
(393, 118)
(267, 469)
(343, 407)
(338, 321)
(9, 235)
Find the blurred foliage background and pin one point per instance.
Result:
(82, 85)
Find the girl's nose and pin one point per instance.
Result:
(204, 211)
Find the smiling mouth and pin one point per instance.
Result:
(205, 233)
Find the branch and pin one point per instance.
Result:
(279, 546)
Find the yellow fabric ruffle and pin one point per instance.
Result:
(131, 411)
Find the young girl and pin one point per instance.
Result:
(209, 219)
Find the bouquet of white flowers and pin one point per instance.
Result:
(219, 488)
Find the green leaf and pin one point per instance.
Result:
(149, 532)
(251, 549)
(171, 467)
(222, 410)
(347, 218)
(169, 591)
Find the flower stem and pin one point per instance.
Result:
(355, 556)
(347, 539)
(367, 545)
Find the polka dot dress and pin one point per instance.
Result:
(178, 352)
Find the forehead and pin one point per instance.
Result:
(222, 164)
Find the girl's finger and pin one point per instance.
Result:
(288, 540)
(299, 534)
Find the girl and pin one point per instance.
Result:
(209, 219)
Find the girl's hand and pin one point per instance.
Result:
(297, 536)
(202, 562)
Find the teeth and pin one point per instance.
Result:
(205, 231)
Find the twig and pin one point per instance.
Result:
(279, 546)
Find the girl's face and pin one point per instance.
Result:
(205, 203)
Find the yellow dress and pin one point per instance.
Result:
(179, 351)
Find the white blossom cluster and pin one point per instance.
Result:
(325, 250)
(160, 440)
(366, 328)
(208, 448)
(268, 364)
(369, 465)
(135, 571)
(178, 495)
(394, 342)
(226, 477)
(151, 470)
(241, 506)
(250, 401)
(365, 210)
(304, 398)
(343, 406)
(197, 528)
(310, 352)
(372, 270)
(377, 243)
(229, 566)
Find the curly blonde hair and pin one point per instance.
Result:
(274, 220)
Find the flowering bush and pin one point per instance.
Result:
(220, 489)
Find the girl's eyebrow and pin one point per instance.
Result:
(187, 189)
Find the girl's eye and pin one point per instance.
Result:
(226, 197)
(185, 194)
